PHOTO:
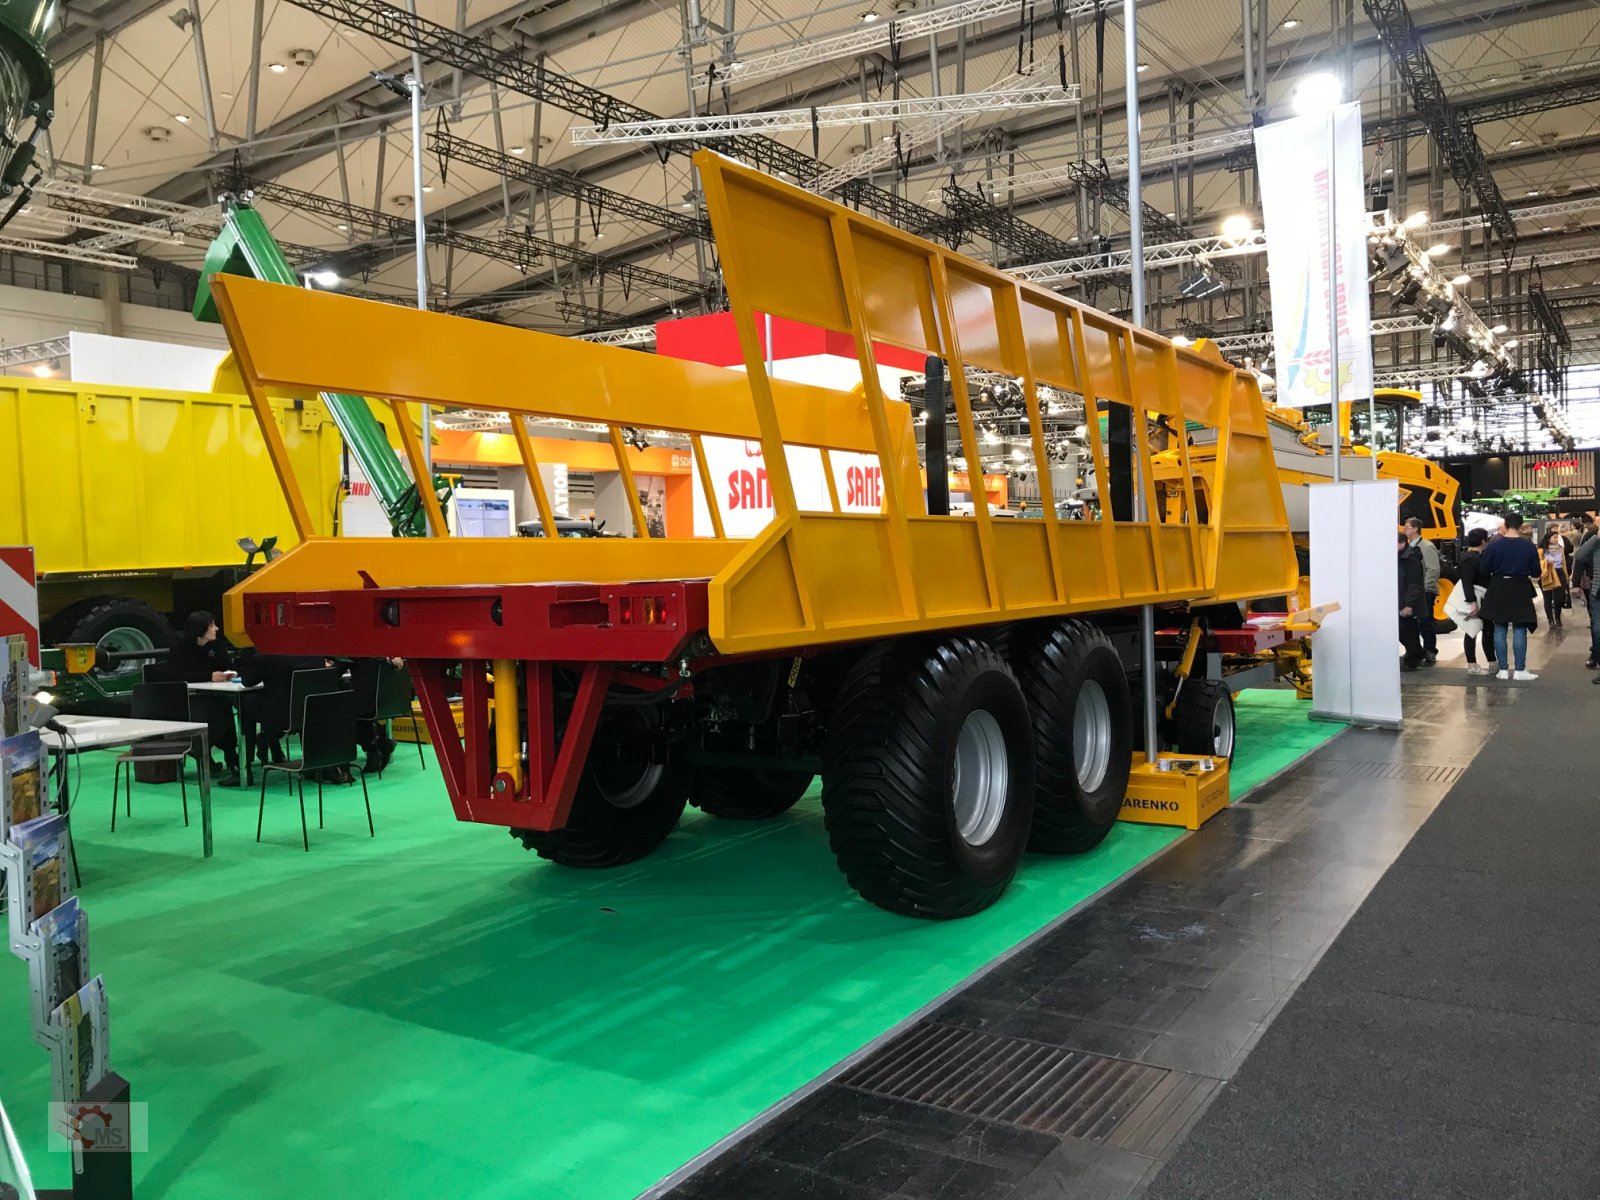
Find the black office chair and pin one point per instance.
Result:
(305, 684)
(155, 702)
(395, 694)
(328, 740)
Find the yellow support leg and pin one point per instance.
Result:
(1179, 789)
(507, 723)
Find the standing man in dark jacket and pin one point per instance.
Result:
(1430, 587)
(1412, 599)
(1586, 573)
(1509, 567)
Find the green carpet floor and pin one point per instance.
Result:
(437, 1013)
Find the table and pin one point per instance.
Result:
(234, 692)
(104, 733)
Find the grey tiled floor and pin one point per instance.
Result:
(1180, 968)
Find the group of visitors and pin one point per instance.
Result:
(1498, 576)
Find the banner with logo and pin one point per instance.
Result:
(744, 498)
(1300, 167)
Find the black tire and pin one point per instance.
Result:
(890, 777)
(624, 807)
(1203, 720)
(1076, 803)
(748, 794)
(119, 623)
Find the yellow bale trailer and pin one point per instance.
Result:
(133, 500)
(962, 683)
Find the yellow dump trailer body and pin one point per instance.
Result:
(100, 479)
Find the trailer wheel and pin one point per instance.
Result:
(927, 778)
(120, 624)
(1202, 722)
(625, 805)
(1082, 736)
(748, 794)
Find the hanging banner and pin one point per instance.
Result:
(1299, 166)
(744, 499)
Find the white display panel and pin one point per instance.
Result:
(483, 512)
(134, 363)
(1356, 664)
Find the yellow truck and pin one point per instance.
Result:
(964, 685)
(133, 500)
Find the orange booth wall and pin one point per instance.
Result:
(488, 449)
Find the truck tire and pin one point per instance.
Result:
(1078, 696)
(623, 808)
(118, 623)
(748, 794)
(1202, 722)
(927, 777)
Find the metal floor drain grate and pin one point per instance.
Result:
(1064, 1092)
(1334, 768)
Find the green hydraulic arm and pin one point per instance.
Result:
(245, 247)
(27, 90)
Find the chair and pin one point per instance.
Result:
(302, 686)
(154, 702)
(327, 740)
(395, 694)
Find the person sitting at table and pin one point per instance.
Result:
(371, 734)
(269, 707)
(198, 655)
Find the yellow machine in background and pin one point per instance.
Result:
(134, 499)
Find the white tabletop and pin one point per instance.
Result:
(232, 688)
(91, 733)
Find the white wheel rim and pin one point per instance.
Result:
(1091, 735)
(1222, 729)
(982, 777)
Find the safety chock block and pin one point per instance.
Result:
(1178, 789)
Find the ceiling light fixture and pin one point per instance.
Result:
(1512, 343)
(97, 166)
(181, 118)
(1142, 68)
(1317, 94)
(1291, 23)
(1462, 280)
(1237, 227)
(341, 227)
(1439, 248)
(1499, 328)
(519, 150)
(1533, 191)
(1417, 219)
(277, 68)
(427, 187)
(326, 279)
(868, 17)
